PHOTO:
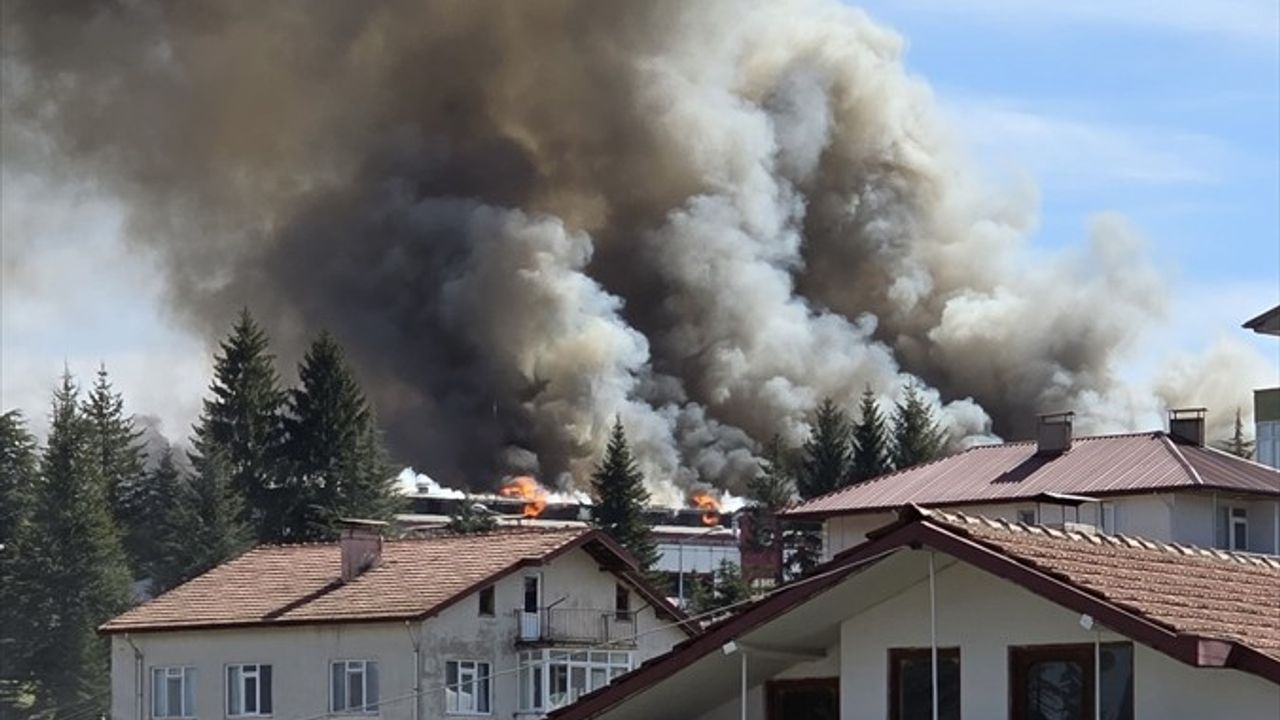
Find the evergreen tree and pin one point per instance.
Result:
(70, 571)
(241, 420)
(916, 435)
(120, 460)
(804, 548)
(726, 589)
(467, 519)
(156, 498)
(204, 526)
(827, 457)
(336, 465)
(870, 440)
(772, 487)
(1238, 444)
(621, 499)
(18, 468)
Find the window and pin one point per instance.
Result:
(486, 602)
(248, 690)
(1056, 682)
(911, 684)
(1027, 517)
(353, 686)
(550, 679)
(173, 692)
(468, 687)
(532, 593)
(1235, 528)
(622, 603)
(1108, 524)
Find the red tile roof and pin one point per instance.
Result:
(1206, 608)
(293, 584)
(1103, 465)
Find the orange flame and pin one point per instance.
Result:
(708, 504)
(526, 488)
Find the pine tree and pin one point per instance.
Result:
(70, 570)
(772, 487)
(827, 457)
(204, 526)
(1238, 444)
(467, 519)
(870, 440)
(726, 589)
(621, 499)
(336, 465)
(120, 460)
(156, 498)
(916, 435)
(241, 420)
(18, 468)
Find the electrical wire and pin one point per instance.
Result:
(657, 628)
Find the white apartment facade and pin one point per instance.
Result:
(506, 625)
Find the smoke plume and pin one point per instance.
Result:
(525, 219)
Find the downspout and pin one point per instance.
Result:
(139, 676)
(933, 638)
(743, 652)
(1213, 542)
(417, 670)
(1275, 529)
(1097, 674)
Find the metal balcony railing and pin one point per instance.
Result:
(587, 626)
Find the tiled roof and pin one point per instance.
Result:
(1206, 608)
(1103, 465)
(1193, 591)
(289, 584)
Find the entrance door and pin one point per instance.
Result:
(811, 698)
(530, 613)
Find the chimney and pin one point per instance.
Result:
(1053, 433)
(361, 543)
(1187, 425)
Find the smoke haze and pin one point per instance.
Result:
(523, 219)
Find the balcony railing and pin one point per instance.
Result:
(577, 626)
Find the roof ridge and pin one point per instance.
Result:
(1118, 540)
(1182, 459)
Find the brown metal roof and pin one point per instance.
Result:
(1102, 465)
(299, 584)
(1206, 608)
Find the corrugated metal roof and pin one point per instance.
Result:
(1102, 465)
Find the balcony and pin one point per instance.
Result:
(575, 626)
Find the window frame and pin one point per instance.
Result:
(534, 669)
(483, 608)
(1238, 516)
(1022, 656)
(479, 677)
(368, 708)
(165, 671)
(1028, 516)
(898, 654)
(622, 603)
(257, 674)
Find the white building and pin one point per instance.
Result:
(1161, 486)
(1266, 401)
(1006, 620)
(508, 624)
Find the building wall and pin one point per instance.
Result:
(300, 656)
(1185, 518)
(984, 616)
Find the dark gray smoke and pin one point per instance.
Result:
(523, 218)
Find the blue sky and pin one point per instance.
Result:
(1164, 111)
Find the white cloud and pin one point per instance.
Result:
(1072, 152)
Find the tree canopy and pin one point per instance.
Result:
(826, 461)
(621, 499)
(871, 451)
(916, 435)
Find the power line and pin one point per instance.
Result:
(657, 628)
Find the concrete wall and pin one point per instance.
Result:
(984, 616)
(1185, 518)
(300, 656)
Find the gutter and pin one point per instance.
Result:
(139, 677)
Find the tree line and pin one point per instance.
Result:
(89, 524)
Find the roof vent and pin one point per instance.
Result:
(361, 543)
(1053, 433)
(1187, 425)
